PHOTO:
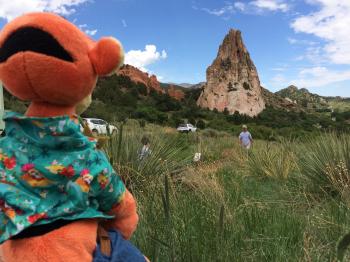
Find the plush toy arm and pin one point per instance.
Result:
(114, 199)
(126, 217)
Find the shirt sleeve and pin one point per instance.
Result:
(109, 187)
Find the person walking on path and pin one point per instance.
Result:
(245, 138)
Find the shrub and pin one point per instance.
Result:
(325, 161)
(169, 154)
(200, 124)
(191, 120)
(210, 132)
(142, 123)
(274, 160)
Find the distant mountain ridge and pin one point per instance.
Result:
(187, 85)
(279, 102)
(301, 96)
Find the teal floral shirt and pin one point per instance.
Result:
(48, 171)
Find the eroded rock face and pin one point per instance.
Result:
(232, 80)
(138, 76)
(176, 93)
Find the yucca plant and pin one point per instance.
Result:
(169, 155)
(273, 160)
(325, 161)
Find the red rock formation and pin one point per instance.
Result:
(232, 80)
(176, 93)
(138, 76)
(154, 84)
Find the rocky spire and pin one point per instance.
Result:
(232, 80)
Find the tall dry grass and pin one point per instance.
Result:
(221, 210)
(325, 161)
(273, 160)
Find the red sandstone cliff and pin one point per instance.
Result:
(151, 82)
(136, 75)
(176, 93)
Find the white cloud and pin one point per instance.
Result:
(124, 23)
(292, 41)
(279, 69)
(142, 58)
(271, 5)
(240, 6)
(251, 7)
(91, 32)
(320, 77)
(84, 27)
(278, 81)
(9, 9)
(330, 23)
(228, 8)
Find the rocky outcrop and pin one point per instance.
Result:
(136, 75)
(232, 80)
(304, 98)
(175, 93)
(280, 103)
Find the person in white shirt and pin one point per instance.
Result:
(245, 138)
(145, 150)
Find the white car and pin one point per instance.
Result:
(185, 128)
(99, 126)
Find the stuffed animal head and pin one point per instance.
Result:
(47, 60)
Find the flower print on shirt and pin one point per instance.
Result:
(102, 180)
(33, 177)
(67, 172)
(43, 193)
(61, 125)
(10, 163)
(37, 123)
(85, 180)
(8, 210)
(55, 167)
(6, 178)
(70, 163)
(34, 218)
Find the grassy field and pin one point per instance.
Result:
(284, 201)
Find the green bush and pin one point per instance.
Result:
(209, 132)
(273, 160)
(200, 124)
(325, 161)
(142, 123)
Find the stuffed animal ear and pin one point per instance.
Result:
(106, 56)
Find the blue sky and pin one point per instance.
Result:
(301, 42)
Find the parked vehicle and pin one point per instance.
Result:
(99, 126)
(185, 128)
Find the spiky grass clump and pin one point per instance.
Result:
(272, 160)
(169, 154)
(325, 161)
